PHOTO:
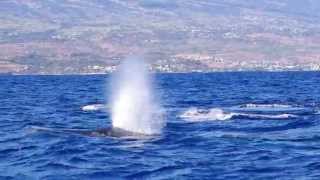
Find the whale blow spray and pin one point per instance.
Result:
(134, 107)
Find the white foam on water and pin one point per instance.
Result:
(94, 107)
(266, 107)
(195, 114)
(133, 105)
(264, 116)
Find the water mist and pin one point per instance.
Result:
(134, 107)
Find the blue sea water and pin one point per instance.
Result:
(252, 125)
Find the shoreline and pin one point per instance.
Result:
(210, 72)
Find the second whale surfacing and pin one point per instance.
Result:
(103, 132)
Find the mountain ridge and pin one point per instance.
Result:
(82, 36)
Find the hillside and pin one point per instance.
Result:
(93, 36)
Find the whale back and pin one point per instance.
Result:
(110, 132)
(103, 132)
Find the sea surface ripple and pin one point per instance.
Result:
(250, 125)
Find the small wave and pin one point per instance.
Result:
(196, 114)
(93, 107)
(264, 116)
(266, 108)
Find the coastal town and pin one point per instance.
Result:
(216, 36)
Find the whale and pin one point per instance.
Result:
(110, 132)
(102, 132)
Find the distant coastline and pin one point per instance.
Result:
(211, 72)
(217, 36)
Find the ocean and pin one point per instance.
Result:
(233, 125)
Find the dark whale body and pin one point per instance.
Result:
(109, 132)
(103, 132)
